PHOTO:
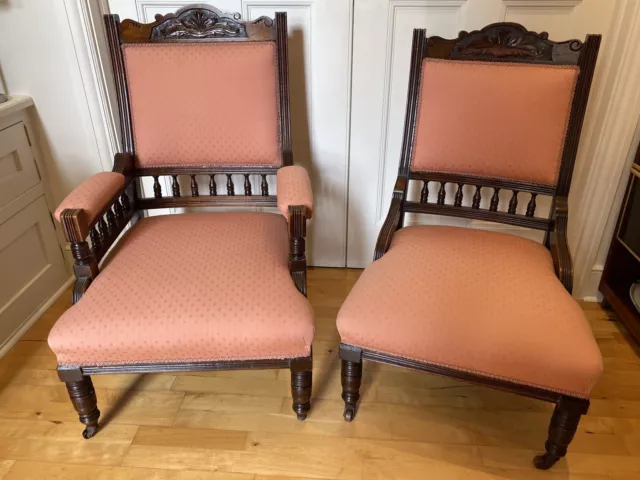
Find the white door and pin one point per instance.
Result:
(382, 46)
(319, 75)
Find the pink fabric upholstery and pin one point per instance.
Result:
(93, 194)
(190, 287)
(204, 104)
(476, 301)
(294, 188)
(493, 119)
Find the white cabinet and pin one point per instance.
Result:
(32, 267)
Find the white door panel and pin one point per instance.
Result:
(382, 46)
(319, 76)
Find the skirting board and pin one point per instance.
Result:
(19, 333)
(591, 292)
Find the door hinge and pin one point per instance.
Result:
(26, 132)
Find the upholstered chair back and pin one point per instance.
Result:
(203, 104)
(493, 119)
(202, 90)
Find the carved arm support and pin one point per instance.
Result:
(295, 201)
(392, 222)
(103, 194)
(558, 243)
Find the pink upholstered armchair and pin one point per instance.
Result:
(204, 97)
(494, 110)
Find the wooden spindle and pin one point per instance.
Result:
(175, 186)
(513, 203)
(247, 185)
(458, 199)
(231, 190)
(531, 206)
(157, 189)
(95, 240)
(264, 186)
(102, 230)
(424, 193)
(194, 186)
(213, 189)
(119, 212)
(477, 197)
(111, 219)
(495, 199)
(442, 193)
(124, 200)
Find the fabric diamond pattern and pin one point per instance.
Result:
(190, 287)
(476, 301)
(530, 104)
(204, 104)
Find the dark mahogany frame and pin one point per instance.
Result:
(500, 42)
(193, 23)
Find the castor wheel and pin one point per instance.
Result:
(90, 431)
(301, 410)
(349, 413)
(545, 461)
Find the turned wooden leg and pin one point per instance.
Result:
(301, 378)
(351, 377)
(563, 426)
(83, 397)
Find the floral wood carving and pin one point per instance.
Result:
(198, 23)
(508, 40)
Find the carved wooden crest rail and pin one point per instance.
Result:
(507, 41)
(195, 23)
(201, 22)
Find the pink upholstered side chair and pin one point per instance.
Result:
(203, 97)
(495, 109)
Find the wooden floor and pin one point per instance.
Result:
(239, 425)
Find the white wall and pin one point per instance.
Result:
(38, 58)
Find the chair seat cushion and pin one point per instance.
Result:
(476, 301)
(192, 287)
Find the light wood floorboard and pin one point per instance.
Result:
(240, 426)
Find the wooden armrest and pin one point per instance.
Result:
(103, 221)
(392, 221)
(558, 243)
(294, 189)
